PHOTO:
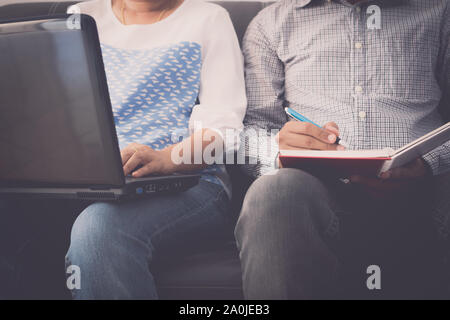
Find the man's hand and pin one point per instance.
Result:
(296, 135)
(150, 161)
(396, 181)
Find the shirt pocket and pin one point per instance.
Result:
(401, 61)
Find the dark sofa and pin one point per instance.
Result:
(211, 273)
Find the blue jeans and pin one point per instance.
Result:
(113, 244)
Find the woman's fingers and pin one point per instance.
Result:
(127, 152)
(146, 170)
(134, 161)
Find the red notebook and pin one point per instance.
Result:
(346, 163)
(364, 162)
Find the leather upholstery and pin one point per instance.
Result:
(241, 12)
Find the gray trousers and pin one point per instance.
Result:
(302, 237)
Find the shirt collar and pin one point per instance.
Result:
(304, 3)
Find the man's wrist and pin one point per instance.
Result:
(277, 163)
(431, 163)
(427, 166)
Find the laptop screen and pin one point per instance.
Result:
(56, 124)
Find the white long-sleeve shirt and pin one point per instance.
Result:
(184, 70)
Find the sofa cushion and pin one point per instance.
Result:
(212, 274)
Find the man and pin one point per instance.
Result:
(376, 74)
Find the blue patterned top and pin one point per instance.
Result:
(153, 92)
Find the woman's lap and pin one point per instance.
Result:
(159, 219)
(114, 243)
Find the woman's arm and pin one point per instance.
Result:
(221, 109)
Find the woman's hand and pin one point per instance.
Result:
(143, 160)
(148, 160)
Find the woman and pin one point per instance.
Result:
(171, 65)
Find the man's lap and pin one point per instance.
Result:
(363, 222)
(287, 188)
(397, 235)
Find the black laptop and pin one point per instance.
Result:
(57, 132)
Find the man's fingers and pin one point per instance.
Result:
(398, 173)
(332, 127)
(298, 141)
(287, 147)
(412, 170)
(373, 183)
(377, 184)
(304, 128)
(370, 182)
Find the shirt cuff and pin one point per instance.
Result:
(276, 163)
(432, 160)
(272, 159)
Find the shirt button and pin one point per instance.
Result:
(362, 114)
(358, 45)
(358, 89)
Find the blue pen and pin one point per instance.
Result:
(297, 116)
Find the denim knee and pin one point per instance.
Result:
(94, 230)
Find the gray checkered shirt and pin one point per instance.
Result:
(383, 87)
